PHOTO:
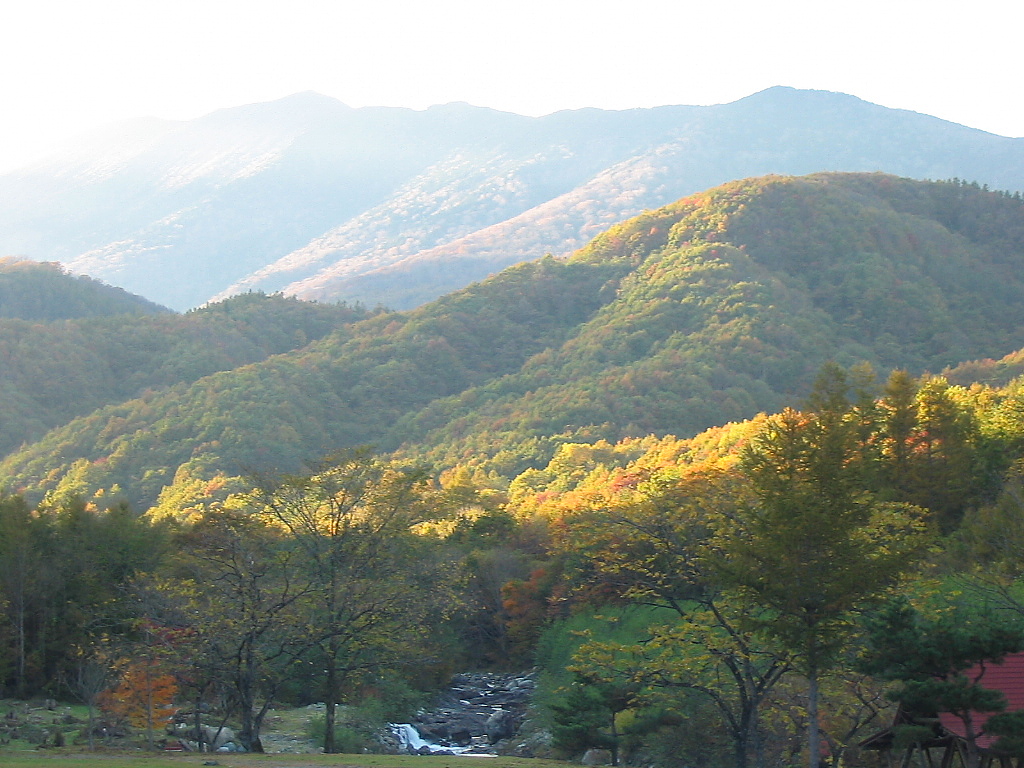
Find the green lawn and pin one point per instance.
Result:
(63, 759)
(24, 754)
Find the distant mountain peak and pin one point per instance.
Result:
(408, 204)
(306, 108)
(814, 100)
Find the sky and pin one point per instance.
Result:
(68, 66)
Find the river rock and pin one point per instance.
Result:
(478, 707)
(501, 725)
(597, 757)
(217, 737)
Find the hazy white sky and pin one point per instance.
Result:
(69, 65)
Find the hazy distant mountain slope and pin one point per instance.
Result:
(474, 190)
(32, 290)
(397, 206)
(705, 311)
(187, 209)
(558, 225)
(781, 130)
(179, 210)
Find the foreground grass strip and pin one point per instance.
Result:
(112, 760)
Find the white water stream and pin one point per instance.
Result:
(409, 739)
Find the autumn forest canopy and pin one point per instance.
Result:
(722, 476)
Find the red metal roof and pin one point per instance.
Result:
(1007, 677)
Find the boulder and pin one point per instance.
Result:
(500, 725)
(216, 738)
(479, 710)
(597, 757)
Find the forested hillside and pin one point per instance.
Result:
(344, 390)
(988, 371)
(736, 296)
(57, 369)
(707, 311)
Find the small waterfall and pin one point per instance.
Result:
(478, 715)
(409, 740)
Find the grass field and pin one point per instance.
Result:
(63, 759)
(285, 722)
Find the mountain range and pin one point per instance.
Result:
(711, 309)
(397, 207)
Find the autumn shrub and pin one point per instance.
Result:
(142, 698)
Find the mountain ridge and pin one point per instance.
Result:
(71, 345)
(393, 206)
(45, 291)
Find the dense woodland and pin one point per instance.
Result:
(699, 474)
(666, 587)
(710, 310)
(98, 352)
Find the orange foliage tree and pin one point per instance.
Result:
(143, 697)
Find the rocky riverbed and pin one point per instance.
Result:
(479, 714)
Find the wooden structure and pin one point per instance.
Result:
(948, 746)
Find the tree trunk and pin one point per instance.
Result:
(198, 714)
(20, 682)
(813, 734)
(92, 724)
(246, 735)
(740, 748)
(740, 732)
(22, 688)
(332, 651)
(150, 714)
(250, 733)
(329, 709)
(971, 737)
(755, 738)
(615, 739)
